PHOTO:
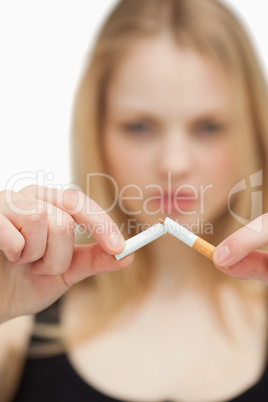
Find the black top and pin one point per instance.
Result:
(53, 379)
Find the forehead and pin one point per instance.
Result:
(159, 76)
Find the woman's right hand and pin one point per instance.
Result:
(38, 258)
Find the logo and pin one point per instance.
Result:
(255, 180)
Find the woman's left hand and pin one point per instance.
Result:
(239, 251)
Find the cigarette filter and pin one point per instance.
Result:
(141, 239)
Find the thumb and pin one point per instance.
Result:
(253, 266)
(239, 251)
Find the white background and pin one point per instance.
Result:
(44, 46)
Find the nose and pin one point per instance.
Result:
(175, 153)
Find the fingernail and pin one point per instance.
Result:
(116, 241)
(221, 254)
(16, 257)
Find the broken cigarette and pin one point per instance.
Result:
(172, 227)
(141, 239)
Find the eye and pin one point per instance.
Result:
(138, 129)
(208, 128)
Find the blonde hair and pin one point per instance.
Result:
(206, 26)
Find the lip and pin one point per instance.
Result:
(174, 202)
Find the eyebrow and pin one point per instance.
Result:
(130, 107)
(150, 114)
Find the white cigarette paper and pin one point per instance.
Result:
(180, 232)
(141, 239)
(172, 227)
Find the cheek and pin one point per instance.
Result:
(219, 170)
(219, 165)
(131, 168)
(126, 163)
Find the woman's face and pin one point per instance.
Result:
(175, 134)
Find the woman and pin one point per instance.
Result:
(170, 120)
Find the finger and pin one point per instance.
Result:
(253, 266)
(51, 251)
(34, 230)
(60, 242)
(242, 242)
(30, 220)
(90, 260)
(86, 213)
(11, 240)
